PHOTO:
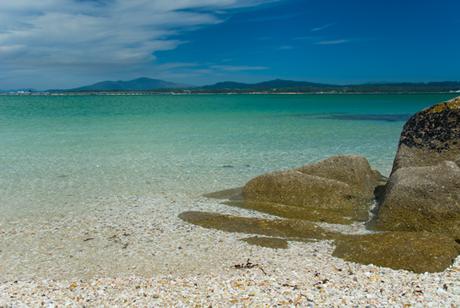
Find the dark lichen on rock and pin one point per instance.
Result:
(430, 136)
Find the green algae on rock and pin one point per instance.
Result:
(267, 242)
(344, 184)
(414, 251)
(422, 199)
(302, 213)
(286, 228)
(227, 194)
(352, 170)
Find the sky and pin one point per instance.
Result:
(51, 44)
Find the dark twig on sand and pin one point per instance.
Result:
(249, 265)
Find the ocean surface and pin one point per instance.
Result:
(64, 152)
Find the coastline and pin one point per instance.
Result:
(154, 93)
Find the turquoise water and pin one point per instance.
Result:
(60, 152)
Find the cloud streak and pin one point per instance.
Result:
(98, 35)
(322, 27)
(236, 68)
(333, 42)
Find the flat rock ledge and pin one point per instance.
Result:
(414, 251)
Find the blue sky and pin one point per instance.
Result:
(66, 43)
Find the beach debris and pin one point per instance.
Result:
(249, 265)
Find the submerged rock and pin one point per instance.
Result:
(423, 199)
(227, 194)
(414, 251)
(286, 228)
(342, 184)
(430, 136)
(267, 242)
(295, 212)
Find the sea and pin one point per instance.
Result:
(61, 153)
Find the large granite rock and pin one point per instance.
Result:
(423, 192)
(430, 136)
(343, 183)
(423, 198)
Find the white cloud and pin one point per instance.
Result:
(238, 68)
(332, 42)
(286, 47)
(78, 35)
(323, 27)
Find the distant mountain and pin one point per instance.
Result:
(227, 85)
(139, 84)
(279, 85)
(271, 86)
(266, 85)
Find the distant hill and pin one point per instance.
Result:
(267, 85)
(272, 86)
(139, 84)
(279, 85)
(227, 85)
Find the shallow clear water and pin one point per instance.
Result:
(61, 152)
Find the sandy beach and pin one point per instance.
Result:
(137, 252)
(229, 153)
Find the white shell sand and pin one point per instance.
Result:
(135, 251)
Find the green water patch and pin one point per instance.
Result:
(414, 251)
(267, 242)
(368, 117)
(302, 213)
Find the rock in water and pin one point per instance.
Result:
(414, 251)
(423, 198)
(423, 192)
(344, 184)
(430, 136)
